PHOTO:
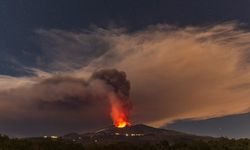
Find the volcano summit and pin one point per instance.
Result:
(132, 134)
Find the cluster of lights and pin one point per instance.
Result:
(79, 138)
(137, 134)
(132, 134)
(52, 137)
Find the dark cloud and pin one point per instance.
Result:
(74, 51)
(64, 99)
(63, 93)
(119, 83)
(67, 103)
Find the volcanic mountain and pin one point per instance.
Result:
(134, 134)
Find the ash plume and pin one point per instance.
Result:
(68, 99)
(119, 98)
(118, 82)
(71, 93)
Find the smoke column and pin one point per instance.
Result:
(119, 95)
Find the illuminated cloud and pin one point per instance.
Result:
(175, 73)
(179, 73)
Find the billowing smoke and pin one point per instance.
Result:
(72, 93)
(119, 97)
(119, 83)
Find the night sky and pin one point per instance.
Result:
(187, 62)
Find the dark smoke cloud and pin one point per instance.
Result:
(62, 96)
(58, 98)
(119, 83)
(63, 99)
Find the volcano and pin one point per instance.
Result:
(133, 134)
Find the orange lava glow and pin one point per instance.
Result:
(118, 114)
(121, 121)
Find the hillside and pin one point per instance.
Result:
(135, 134)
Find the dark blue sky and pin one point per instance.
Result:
(20, 18)
(233, 126)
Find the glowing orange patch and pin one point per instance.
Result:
(119, 116)
(121, 120)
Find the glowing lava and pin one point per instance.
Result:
(119, 118)
(120, 121)
(118, 114)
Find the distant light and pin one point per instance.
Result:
(54, 137)
(127, 134)
(139, 134)
(136, 134)
(117, 133)
(45, 136)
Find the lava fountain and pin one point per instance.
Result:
(118, 113)
(118, 94)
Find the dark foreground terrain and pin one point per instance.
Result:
(60, 144)
(138, 137)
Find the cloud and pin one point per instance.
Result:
(62, 99)
(175, 73)
(69, 50)
(48, 102)
(180, 73)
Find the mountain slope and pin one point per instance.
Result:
(134, 134)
